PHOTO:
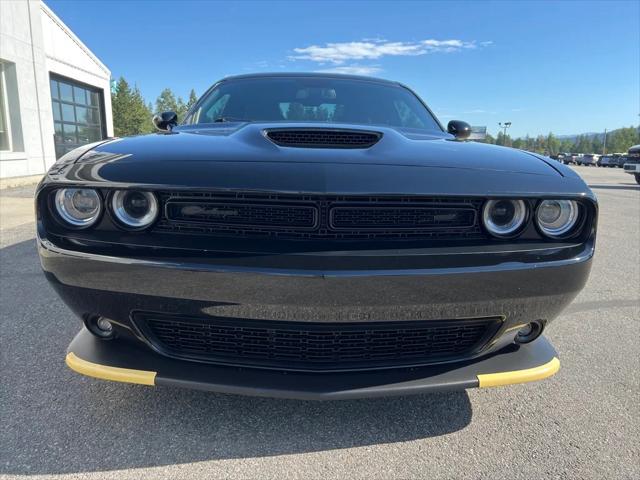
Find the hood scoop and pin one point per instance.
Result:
(322, 137)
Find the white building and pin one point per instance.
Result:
(54, 93)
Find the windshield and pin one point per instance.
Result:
(313, 99)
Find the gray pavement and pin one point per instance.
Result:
(582, 423)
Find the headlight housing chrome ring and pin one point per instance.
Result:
(504, 217)
(134, 209)
(557, 218)
(78, 207)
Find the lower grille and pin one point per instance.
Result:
(315, 346)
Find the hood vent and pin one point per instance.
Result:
(322, 138)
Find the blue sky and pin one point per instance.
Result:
(567, 67)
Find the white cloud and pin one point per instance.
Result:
(352, 69)
(339, 53)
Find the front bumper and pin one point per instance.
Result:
(127, 362)
(537, 287)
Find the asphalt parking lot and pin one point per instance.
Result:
(582, 423)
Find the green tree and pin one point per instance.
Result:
(518, 143)
(131, 116)
(487, 139)
(619, 141)
(583, 144)
(540, 145)
(553, 144)
(566, 145)
(527, 143)
(167, 102)
(503, 139)
(596, 144)
(192, 99)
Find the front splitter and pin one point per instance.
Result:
(125, 361)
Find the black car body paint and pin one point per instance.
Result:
(314, 272)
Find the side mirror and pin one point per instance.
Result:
(165, 121)
(459, 129)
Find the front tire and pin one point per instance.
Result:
(637, 175)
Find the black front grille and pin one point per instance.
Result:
(237, 213)
(323, 138)
(319, 217)
(315, 346)
(401, 217)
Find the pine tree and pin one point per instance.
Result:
(553, 144)
(596, 145)
(566, 145)
(503, 139)
(167, 102)
(130, 114)
(192, 99)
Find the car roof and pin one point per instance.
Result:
(341, 76)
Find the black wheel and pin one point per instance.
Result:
(637, 175)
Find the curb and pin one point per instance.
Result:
(13, 182)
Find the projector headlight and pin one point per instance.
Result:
(78, 207)
(504, 218)
(134, 209)
(556, 218)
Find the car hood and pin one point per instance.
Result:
(239, 155)
(245, 142)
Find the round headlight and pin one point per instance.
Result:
(556, 217)
(134, 209)
(504, 218)
(79, 207)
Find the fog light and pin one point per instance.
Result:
(100, 327)
(104, 325)
(529, 332)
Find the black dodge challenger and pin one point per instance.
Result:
(313, 236)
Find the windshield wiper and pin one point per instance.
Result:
(228, 119)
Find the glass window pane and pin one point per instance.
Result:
(67, 113)
(80, 95)
(94, 134)
(82, 134)
(60, 151)
(66, 92)
(57, 127)
(4, 124)
(81, 115)
(94, 116)
(88, 134)
(54, 88)
(56, 110)
(77, 115)
(69, 134)
(94, 99)
(327, 99)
